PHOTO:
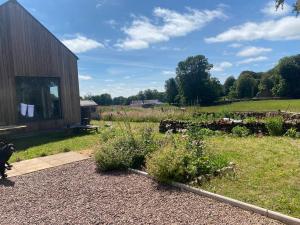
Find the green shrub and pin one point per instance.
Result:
(181, 165)
(126, 150)
(240, 131)
(116, 154)
(183, 161)
(292, 133)
(274, 125)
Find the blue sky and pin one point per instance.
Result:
(129, 45)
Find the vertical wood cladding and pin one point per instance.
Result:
(29, 49)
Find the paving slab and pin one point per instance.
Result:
(41, 163)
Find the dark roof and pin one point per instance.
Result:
(87, 103)
(16, 2)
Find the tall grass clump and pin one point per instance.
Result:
(274, 125)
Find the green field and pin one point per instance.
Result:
(156, 114)
(268, 168)
(266, 105)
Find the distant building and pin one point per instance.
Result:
(145, 103)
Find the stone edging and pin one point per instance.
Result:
(265, 212)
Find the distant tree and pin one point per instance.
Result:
(194, 81)
(141, 96)
(266, 85)
(119, 100)
(289, 70)
(247, 85)
(228, 84)
(104, 99)
(171, 88)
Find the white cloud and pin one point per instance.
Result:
(81, 44)
(143, 32)
(220, 67)
(286, 28)
(253, 51)
(85, 77)
(252, 60)
(235, 45)
(270, 9)
(109, 80)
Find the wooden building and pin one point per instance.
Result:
(38, 74)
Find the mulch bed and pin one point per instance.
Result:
(76, 194)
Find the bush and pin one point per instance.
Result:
(183, 161)
(292, 133)
(181, 165)
(125, 150)
(274, 125)
(240, 131)
(116, 154)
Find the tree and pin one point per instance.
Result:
(194, 81)
(228, 84)
(247, 85)
(119, 100)
(104, 99)
(266, 85)
(289, 70)
(171, 88)
(280, 3)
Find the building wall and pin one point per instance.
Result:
(29, 49)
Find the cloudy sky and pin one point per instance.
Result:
(129, 45)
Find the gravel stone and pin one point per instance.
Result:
(77, 194)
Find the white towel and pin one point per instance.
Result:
(30, 111)
(23, 109)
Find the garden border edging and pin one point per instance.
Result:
(249, 207)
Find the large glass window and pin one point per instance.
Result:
(38, 98)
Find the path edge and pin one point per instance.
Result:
(249, 207)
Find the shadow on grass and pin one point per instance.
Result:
(24, 143)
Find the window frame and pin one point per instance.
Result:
(28, 120)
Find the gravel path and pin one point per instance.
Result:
(75, 194)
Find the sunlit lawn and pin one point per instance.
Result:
(268, 171)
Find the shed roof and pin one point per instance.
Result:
(87, 103)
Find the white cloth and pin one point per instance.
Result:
(30, 111)
(23, 109)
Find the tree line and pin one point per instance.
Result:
(194, 85)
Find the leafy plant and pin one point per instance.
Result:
(292, 133)
(274, 125)
(240, 131)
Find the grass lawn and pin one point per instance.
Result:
(266, 105)
(268, 171)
